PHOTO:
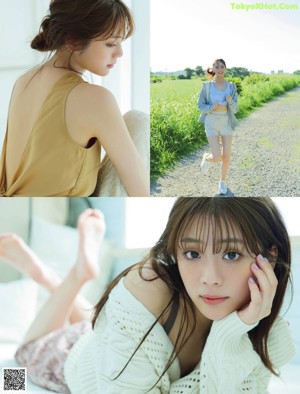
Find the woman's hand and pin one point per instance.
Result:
(229, 99)
(262, 292)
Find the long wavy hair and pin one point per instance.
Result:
(256, 220)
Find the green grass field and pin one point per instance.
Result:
(175, 131)
(175, 89)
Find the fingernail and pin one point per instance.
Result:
(262, 259)
(255, 266)
(251, 280)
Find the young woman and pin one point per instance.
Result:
(200, 313)
(57, 122)
(218, 102)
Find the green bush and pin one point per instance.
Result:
(256, 78)
(175, 132)
(155, 79)
(238, 83)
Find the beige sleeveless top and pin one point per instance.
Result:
(52, 164)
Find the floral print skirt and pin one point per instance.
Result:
(45, 357)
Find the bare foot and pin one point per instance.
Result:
(14, 251)
(91, 227)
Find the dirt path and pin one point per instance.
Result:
(265, 157)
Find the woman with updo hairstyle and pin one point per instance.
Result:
(58, 123)
(218, 102)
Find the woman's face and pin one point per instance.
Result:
(219, 69)
(216, 283)
(100, 56)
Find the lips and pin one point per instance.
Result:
(110, 65)
(213, 300)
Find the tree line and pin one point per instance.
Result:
(199, 72)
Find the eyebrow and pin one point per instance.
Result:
(223, 241)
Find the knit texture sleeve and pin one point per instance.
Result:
(228, 357)
(230, 361)
(281, 347)
(115, 358)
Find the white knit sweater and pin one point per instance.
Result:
(228, 363)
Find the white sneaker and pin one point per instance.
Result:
(205, 165)
(222, 187)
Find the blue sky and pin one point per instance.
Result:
(195, 32)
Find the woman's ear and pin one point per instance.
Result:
(71, 45)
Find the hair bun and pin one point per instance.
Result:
(40, 41)
(210, 73)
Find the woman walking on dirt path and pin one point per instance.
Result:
(218, 102)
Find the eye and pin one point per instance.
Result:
(232, 256)
(192, 254)
(111, 45)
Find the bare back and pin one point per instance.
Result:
(89, 117)
(29, 94)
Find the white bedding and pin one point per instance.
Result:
(7, 352)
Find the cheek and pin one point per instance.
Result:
(240, 280)
(188, 275)
(93, 53)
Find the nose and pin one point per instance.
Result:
(211, 273)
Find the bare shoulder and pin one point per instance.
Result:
(94, 97)
(149, 289)
(91, 106)
(24, 79)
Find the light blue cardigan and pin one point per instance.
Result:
(205, 105)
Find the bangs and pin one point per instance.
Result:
(220, 61)
(225, 234)
(120, 24)
(230, 225)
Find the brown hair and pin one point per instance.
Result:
(261, 227)
(210, 70)
(78, 21)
